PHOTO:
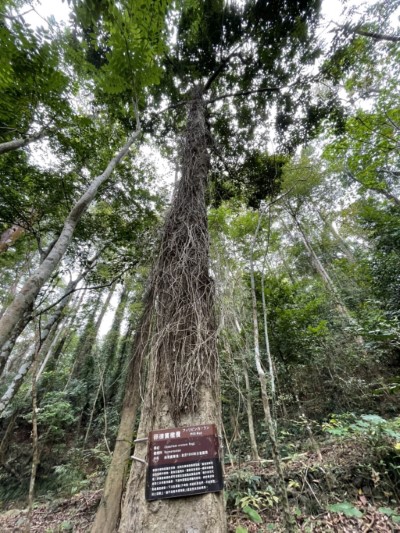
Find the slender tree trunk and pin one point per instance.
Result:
(112, 343)
(109, 510)
(105, 359)
(249, 409)
(85, 348)
(340, 305)
(318, 266)
(117, 381)
(58, 342)
(271, 370)
(384, 192)
(35, 438)
(269, 422)
(85, 353)
(344, 247)
(249, 403)
(36, 351)
(182, 384)
(26, 297)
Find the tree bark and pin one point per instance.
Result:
(182, 385)
(269, 422)
(15, 144)
(26, 297)
(109, 510)
(249, 406)
(91, 331)
(10, 343)
(249, 409)
(318, 266)
(10, 236)
(359, 30)
(344, 247)
(36, 351)
(35, 442)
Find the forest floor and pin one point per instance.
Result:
(76, 514)
(350, 478)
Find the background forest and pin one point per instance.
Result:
(301, 125)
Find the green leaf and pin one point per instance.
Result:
(241, 529)
(387, 511)
(396, 518)
(252, 514)
(346, 508)
(373, 419)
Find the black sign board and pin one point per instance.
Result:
(183, 462)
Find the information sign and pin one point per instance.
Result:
(183, 462)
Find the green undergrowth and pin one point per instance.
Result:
(359, 474)
(357, 482)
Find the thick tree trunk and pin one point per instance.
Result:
(26, 297)
(182, 385)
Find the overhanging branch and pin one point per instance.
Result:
(244, 93)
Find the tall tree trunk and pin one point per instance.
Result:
(24, 300)
(8, 346)
(320, 269)
(249, 402)
(35, 439)
(34, 353)
(117, 382)
(384, 192)
(105, 360)
(271, 369)
(340, 305)
(61, 336)
(182, 385)
(111, 348)
(84, 360)
(109, 510)
(344, 247)
(85, 347)
(249, 409)
(269, 422)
